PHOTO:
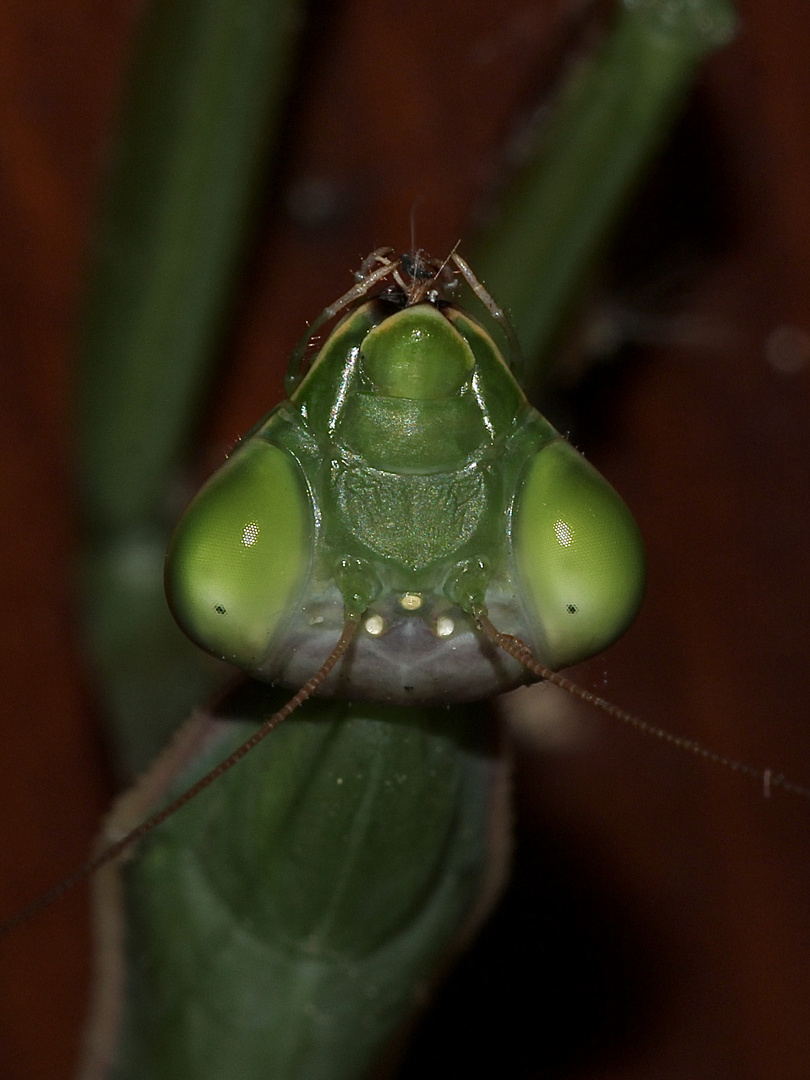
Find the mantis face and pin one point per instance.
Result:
(407, 480)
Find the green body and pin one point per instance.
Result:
(300, 946)
(407, 458)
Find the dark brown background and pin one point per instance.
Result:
(670, 937)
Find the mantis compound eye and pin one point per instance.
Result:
(579, 555)
(240, 553)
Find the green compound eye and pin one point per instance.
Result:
(240, 553)
(579, 555)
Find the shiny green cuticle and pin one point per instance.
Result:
(240, 554)
(579, 555)
(418, 354)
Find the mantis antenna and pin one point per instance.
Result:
(140, 831)
(414, 274)
(494, 309)
(521, 652)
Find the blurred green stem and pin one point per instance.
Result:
(203, 102)
(610, 119)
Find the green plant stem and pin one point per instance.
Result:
(611, 118)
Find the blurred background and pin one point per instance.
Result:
(658, 922)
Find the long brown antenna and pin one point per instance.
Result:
(138, 833)
(523, 654)
(494, 309)
(366, 282)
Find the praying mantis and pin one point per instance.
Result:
(367, 876)
(707, 611)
